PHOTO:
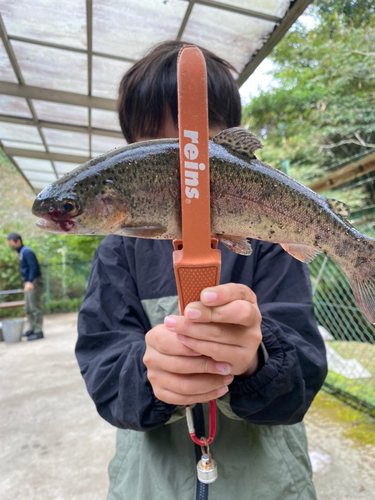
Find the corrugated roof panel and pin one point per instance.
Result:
(69, 150)
(101, 144)
(232, 36)
(63, 167)
(6, 70)
(15, 106)
(52, 68)
(62, 113)
(51, 21)
(66, 138)
(105, 119)
(24, 133)
(106, 76)
(35, 165)
(24, 145)
(136, 25)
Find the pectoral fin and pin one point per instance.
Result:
(239, 140)
(304, 253)
(235, 243)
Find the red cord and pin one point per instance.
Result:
(212, 427)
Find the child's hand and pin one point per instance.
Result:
(185, 357)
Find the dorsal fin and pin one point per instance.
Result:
(239, 140)
(340, 208)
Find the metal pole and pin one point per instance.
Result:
(47, 282)
(320, 274)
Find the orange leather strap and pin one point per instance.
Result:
(196, 260)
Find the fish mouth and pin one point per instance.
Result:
(58, 227)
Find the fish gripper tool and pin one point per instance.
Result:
(196, 259)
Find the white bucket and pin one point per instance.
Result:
(12, 330)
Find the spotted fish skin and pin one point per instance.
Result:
(135, 191)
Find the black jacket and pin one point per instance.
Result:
(29, 265)
(112, 325)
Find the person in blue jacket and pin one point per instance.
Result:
(33, 286)
(252, 343)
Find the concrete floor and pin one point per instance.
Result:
(54, 446)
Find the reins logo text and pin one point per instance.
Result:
(191, 168)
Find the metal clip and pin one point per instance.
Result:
(206, 467)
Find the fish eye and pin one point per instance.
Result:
(68, 207)
(71, 207)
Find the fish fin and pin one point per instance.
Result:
(304, 253)
(239, 140)
(340, 208)
(364, 293)
(142, 231)
(235, 243)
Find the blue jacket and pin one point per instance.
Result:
(29, 264)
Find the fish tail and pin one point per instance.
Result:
(363, 283)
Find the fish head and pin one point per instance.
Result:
(77, 204)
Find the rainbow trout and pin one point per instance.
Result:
(135, 191)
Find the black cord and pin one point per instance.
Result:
(202, 489)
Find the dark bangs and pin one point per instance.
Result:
(151, 85)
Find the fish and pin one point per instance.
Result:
(135, 191)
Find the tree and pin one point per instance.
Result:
(321, 110)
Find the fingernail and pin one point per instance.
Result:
(193, 313)
(228, 379)
(222, 391)
(222, 368)
(209, 296)
(169, 321)
(181, 338)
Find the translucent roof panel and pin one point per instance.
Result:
(101, 144)
(64, 167)
(275, 8)
(6, 70)
(62, 113)
(233, 36)
(33, 164)
(105, 119)
(68, 151)
(16, 132)
(52, 68)
(66, 138)
(51, 21)
(136, 25)
(106, 76)
(24, 145)
(15, 106)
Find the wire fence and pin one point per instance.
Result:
(349, 336)
(65, 285)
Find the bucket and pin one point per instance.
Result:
(12, 330)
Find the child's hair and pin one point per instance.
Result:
(150, 86)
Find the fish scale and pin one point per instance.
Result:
(135, 191)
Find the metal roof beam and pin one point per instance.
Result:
(296, 9)
(40, 155)
(239, 10)
(60, 126)
(349, 172)
(16, 69)
(59, 96)
(71, 49)
(185, 19)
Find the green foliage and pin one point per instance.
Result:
(321, 110)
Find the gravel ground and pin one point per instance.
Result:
(54, 446)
